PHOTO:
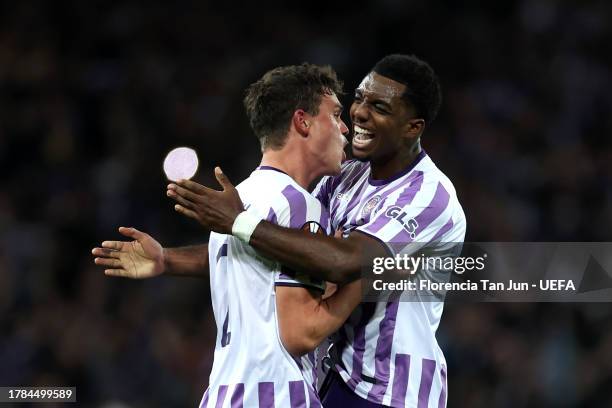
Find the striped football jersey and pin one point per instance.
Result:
(251, 367)
(388, 350)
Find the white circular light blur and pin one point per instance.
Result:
(181, 163)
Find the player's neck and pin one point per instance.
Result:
(388, 167)
(289, 162)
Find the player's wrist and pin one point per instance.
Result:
(244, 225)
(165, 261)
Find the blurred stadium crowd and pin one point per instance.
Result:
(93, 94)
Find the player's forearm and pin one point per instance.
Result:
(186, 261)
(322, 257)
(331, 313)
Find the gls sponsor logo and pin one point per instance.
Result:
(410, 225)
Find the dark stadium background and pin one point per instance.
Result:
(94, 93)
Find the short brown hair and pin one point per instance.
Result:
(271, 101)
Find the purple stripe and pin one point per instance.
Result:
(359, 342)
(382, 357)
(297, 206)
(324, 220)
(344, 187)
(266, 394)
(400, 380)
(405, 198)
(325, 190)
(222, 252)
(272, 216)
(238, 396)
(442, 400)
(324, 195)
(315, 402)
(435, 208)
(352, 175)
(444, 229)
(297, 396)
(204, 403)
(313, 359)
(221, 396)
(427, 372)
(354, 201)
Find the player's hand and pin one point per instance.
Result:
(215, 210)
(138, 259)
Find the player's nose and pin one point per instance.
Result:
(343, 128)
(359, 113)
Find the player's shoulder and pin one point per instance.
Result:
(434, 178)
(441, 192)
(274, 188)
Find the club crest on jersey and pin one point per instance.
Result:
(410, 225)
(370, 205)
(313, 227)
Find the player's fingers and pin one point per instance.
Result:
(182, 192)
(185, 203)
(131, 232)
(195, 187)
(116, 272)
(107, 253)
(111, 262)
(112, 245)
(223, 179)
(185, 211)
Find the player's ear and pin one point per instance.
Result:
(414, 128)
(301, 122)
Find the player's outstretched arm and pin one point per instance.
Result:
(305, 319)
(144, 257)
(325, 258)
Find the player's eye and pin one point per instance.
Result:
(381, 108)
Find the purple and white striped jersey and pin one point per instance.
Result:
(388, 350)
(251, 367)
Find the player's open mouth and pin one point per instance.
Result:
(362, 137)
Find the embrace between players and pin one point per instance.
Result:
(268, 270)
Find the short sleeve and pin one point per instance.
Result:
(295, 208)
(287, 277)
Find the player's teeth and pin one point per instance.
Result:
(361, 130)
(362, 137)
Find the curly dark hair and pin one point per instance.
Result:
(271, 101)
(422, 85)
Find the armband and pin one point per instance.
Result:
(244, 225)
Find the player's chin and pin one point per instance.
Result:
(361, 154)
(334, 170)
